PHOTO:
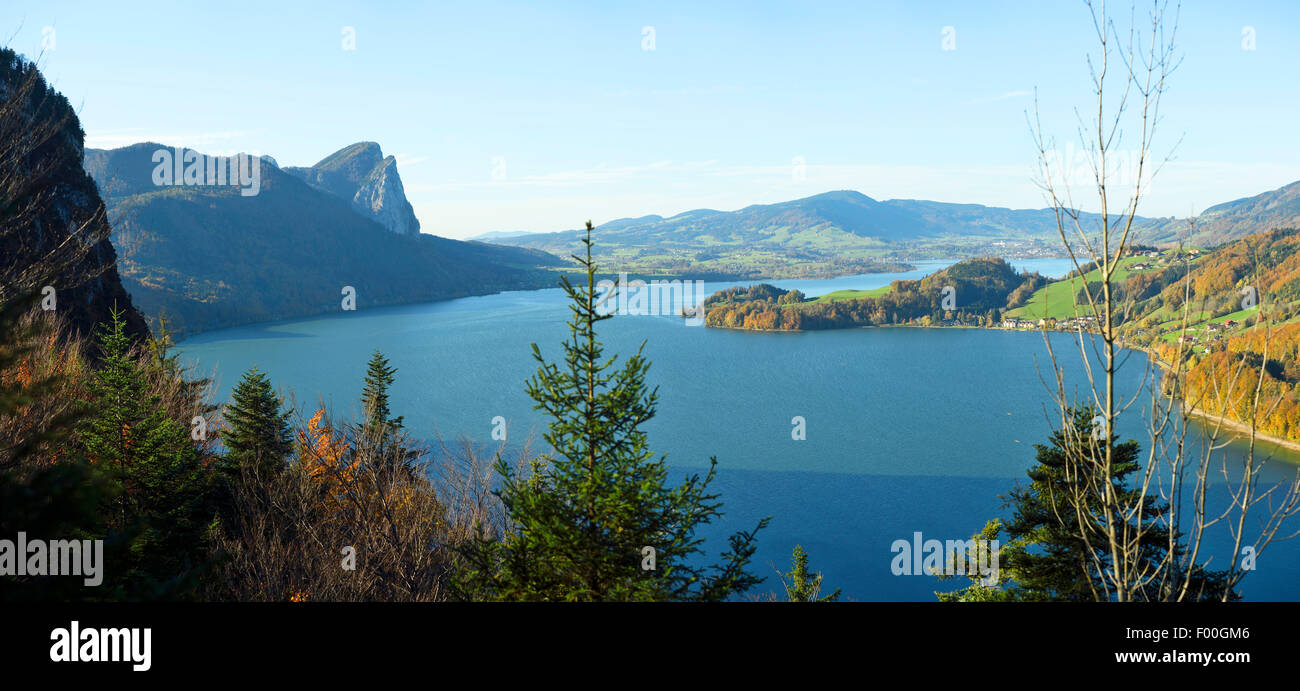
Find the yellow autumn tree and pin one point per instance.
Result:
(326, 455)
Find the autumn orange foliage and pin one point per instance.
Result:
(324, 453)
(1223, 382)
(47, 380)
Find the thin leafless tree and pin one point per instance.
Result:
(1130, 74)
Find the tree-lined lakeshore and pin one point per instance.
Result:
(970, 292)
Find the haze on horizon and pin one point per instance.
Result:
(505, 117)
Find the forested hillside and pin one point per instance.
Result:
(1228, 318)
(846, 232)
(1222, 290)
(830, 234)
(210, 257)
(1233, 220)
(1221, 379)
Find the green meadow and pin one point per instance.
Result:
(1056, 299)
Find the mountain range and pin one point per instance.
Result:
(1231, 221)
(208, 256)
(835, 232)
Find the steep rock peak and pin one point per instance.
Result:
(361, 175)
(382, 198)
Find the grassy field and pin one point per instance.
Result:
(1197, 322)
(852, 294)
(1239, 315)
(1056, 299)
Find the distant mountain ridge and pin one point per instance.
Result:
(1231, 221)
(848, 226)
(496, 235)
(833, 233)
(208, 257)
(849, 210)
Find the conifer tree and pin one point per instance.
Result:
(374, 397)
(1045, 556)
(1062, 567)
(380, 438)
(596, 519)
(163, 492)
(46, 489)
(802, 586)
(257, 434)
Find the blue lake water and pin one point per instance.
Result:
(907, 429)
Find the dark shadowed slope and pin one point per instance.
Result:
(54, 231)
(210, 257)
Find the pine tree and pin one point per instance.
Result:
(163, 493)
(996, 587)
(126, 424)
(257, 435)
(380, 439)
(1062, 565)
(374, 397)
(1045, 556)
(596, 519)
(802, 586)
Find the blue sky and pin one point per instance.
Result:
(537, 116)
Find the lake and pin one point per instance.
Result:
(907, 429)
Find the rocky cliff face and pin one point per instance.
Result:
(361, 175)
(382, 198)
(54, 230)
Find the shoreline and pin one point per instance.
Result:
(1240, 431)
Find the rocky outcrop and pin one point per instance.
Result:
(55, 230)
(361, 175)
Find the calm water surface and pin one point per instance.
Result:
(907, 429)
